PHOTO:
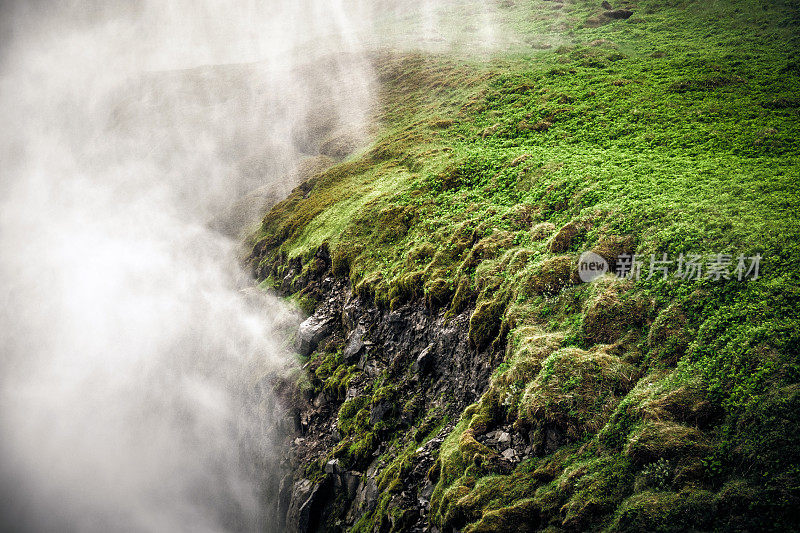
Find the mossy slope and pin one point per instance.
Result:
(661, 404)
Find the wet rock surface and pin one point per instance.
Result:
(424, 356)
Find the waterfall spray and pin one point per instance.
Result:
(132, 394)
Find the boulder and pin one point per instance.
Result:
(332, 467)
(378, 411)
(354, 345)
(424, 361)
(299, 516)
(350, 482)
(311, 332)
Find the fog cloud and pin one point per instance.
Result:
(133, 355)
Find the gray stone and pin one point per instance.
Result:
(427, 491)
(371, 368)
(332, 466)
(354, 345)
(509, 454)
(298, 517)
(350, 313)
(424, 361)
(284, 498)
(377, 412)
(351, 481)
(311, 332)
(366, 496)
(553, 440)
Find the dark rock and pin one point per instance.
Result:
(618, 14)
(284, 498)
(407, 342)
(605, 5)
(553, 440)
(350, 482)
(299, 517)
(346, 481)
(350, 313)
(377, 412)
(425, 360)
(427, 491)
(500, 464)
(371, 368)
(396, 318)
(354, 345)
(366, 496)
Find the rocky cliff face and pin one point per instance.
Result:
(407, 373)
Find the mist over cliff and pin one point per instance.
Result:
(132, 392)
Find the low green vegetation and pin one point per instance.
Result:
(658, 404)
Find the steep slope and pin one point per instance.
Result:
(459, 374)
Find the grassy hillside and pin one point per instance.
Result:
(662, 404)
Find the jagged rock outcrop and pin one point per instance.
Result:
(411, 368)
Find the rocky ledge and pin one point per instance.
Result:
(378, 387)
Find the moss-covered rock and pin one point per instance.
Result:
(576, 391)
(654, 440)
(612, 313)
(689, 510)
(553, 274)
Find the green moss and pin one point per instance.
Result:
(359, 453)
(353, 415)
(484, 324)
(521, 517)
(576, 391)
(598, 487)
(667, 511)
(338, 382)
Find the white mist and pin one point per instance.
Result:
(131, 396)
(132, 360)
